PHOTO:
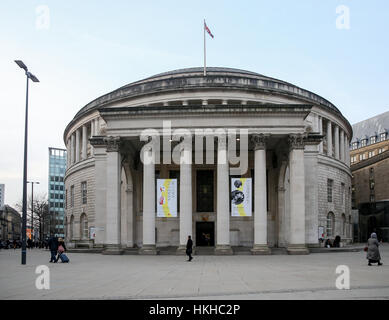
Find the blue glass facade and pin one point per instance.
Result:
(56, 190)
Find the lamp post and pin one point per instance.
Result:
(32, 207)
(29, 75)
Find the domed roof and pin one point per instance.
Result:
(217, 78)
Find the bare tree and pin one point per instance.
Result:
(42, 219)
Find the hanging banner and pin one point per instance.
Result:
(241, 197)
(166, 197)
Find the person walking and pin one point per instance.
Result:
(189, 246)
(61, 249)
(53, 246)
(373, 253)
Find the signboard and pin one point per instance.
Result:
(166, 197)
(241, 189)
(28, 232)
(92, 233)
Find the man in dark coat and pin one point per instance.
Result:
(189, 246)
(53, 246)
(373, 253)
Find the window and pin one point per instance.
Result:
(372, 198)
(363, 142)
(84, 192)
(373, 139)
(204, 191)
(84, 226)
(71, 226)
(329, 189)
(72, 196)
(380, 150)
(383, 136)
(330, 224)
(344, 227)
(342, 188)
(354, 145)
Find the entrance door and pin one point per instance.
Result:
(205, 234)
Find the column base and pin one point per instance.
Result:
(223, 250)
(148, 249)
(297, 249)
(112, 249)
(181, 250)
(260, 249)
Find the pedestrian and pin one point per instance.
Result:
(61, 248)
(53, 246)
(189, 246)
(373, 253)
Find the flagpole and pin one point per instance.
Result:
(205, 53)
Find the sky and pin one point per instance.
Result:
(80, 50)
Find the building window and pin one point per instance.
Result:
(342, 189)
(330, 224)
(344, 226)
(371, 154)
(204, 191)
(84, 192)
(354, 145)
(383, 136)
(72, 196)
(372, 198)
(329, 189)
(373, 140)
(84, 227)
(363, 143)
(71, 226)
(380, 150)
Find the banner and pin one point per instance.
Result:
(241, 197)
(166, 197)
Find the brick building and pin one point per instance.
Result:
(369, 157)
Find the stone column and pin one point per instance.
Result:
(185, 194)
(69, 153)
(337, 153)
(297, 196)
(77, 145)
(84, 142)
(223, 200)
(148, 246)
(321, 132)
(72, 158)
(92, 128)
(260, 205)
(342, 146)
(113, 236)
(329, 139)
(347, 150)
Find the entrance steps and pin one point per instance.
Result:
(204, 251)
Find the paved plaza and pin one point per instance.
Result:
(96, 276)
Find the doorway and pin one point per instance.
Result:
(205, 234)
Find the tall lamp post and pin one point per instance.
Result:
(32, 206)
(29, 75)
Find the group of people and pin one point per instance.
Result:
(57, 248)
(7, 244)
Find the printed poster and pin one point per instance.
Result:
(166, 197)
(241, 189)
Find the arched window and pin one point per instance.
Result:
(344, 227)
(330, 224)
(350, 227)
(71, 226)
(84, 226)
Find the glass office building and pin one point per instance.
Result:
(56, 192)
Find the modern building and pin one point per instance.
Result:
(56, 192)
(2, 195)
(369, 157)
(155, 161)
(10, 224)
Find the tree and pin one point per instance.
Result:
(42, 218)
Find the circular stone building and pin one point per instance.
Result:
(288, 146)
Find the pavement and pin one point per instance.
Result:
(96, 276)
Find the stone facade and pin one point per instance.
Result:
(296, 141)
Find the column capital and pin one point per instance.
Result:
(112, 144)
(296, 141)
(259, 140)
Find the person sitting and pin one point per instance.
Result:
(337, 242)
(328, 243)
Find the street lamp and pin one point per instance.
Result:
(29, 75)
(32, 207)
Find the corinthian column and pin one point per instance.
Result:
(337, 152)
(260, 205)
(77, 145)
(329, 139)
(113, 236)
(185, 193)
(223, 199)
(297, 196)
(148, 246)
(84, 142)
